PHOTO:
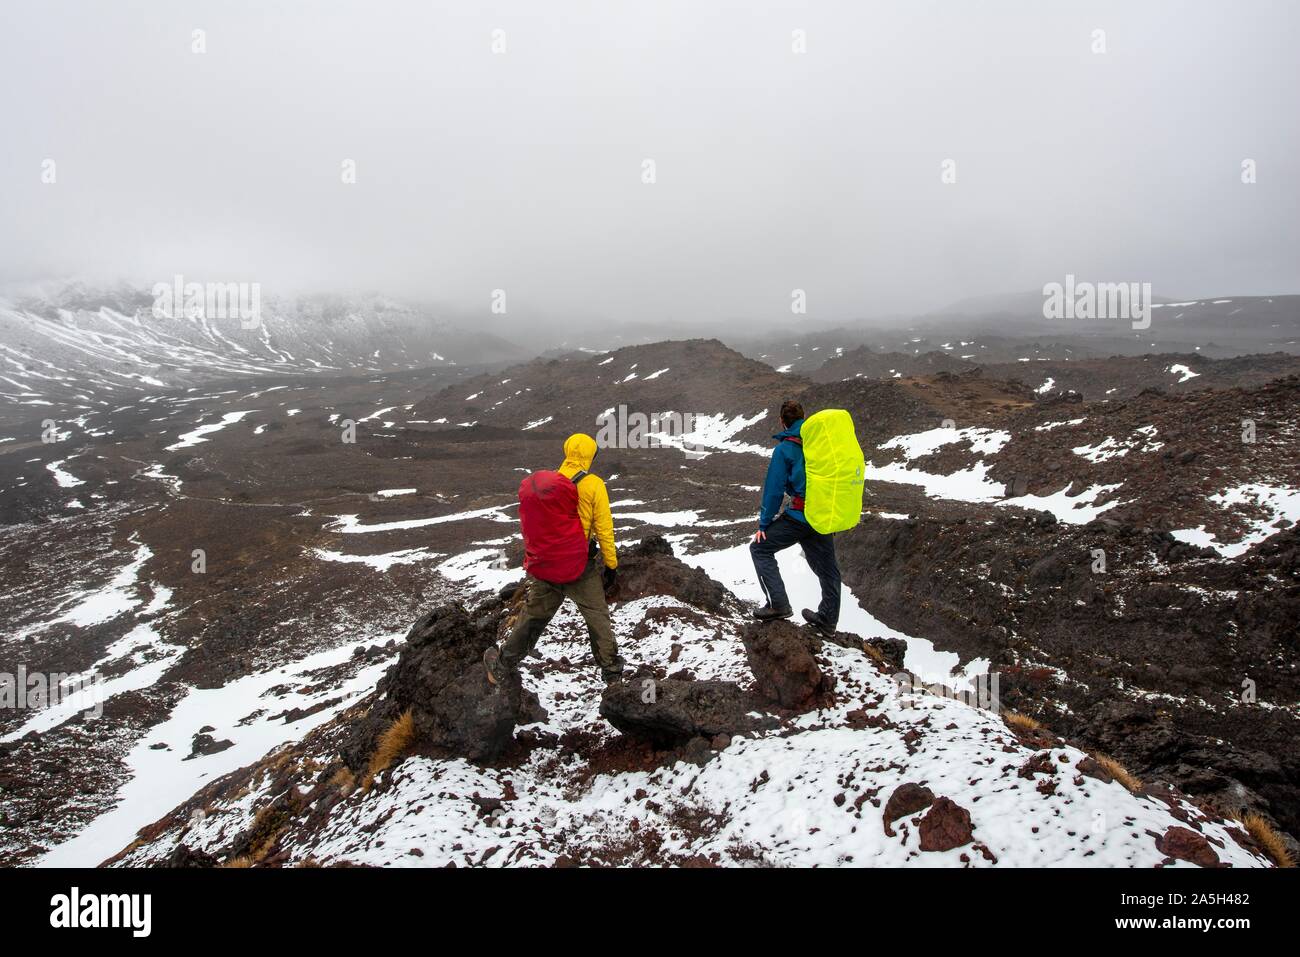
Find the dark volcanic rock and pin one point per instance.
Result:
(945, 826)
(205, 744)
(530, 708)
(889, 653)
(189, 857)
(650, 568)
(439, 677)
(907, 799)
(1130, 727)
(1040, 763)
(670, 712)
(786, 672)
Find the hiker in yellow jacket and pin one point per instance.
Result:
(588, 592)
(593, 498)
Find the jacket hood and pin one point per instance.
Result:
(783, 434)
(579, 450)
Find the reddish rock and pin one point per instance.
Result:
(945, 826)
(1184, 844)
(1040, 763)
(906, 799)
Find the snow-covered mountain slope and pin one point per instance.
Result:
(95, 348)
(814, 789)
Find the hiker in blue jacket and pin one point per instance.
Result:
(780, 528)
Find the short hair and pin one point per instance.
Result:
(791, 412)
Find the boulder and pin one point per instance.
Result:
(785, 669)
(945, 826)
(439, 677)
(669, 712)
(907, 799)
(205, 744)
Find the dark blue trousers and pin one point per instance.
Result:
(818, 551)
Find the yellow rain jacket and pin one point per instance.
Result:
(593, 499)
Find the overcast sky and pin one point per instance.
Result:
(775, 170)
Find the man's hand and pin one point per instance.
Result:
(760, 536)
(609, 578)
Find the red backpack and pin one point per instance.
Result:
(555, 547)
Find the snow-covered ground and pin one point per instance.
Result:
(770, 797)
(197, 436)
(735, 569)
(966, 485)
(380, 563)
(1073, 510)
(351, 525)
(1142, 439)
(1276, 503)
(243, 712)
(93, 606)
(715, 433)
(810, 794)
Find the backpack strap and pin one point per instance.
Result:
(796, 501)
(591, 542)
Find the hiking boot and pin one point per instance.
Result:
(768, 613)
(817, 622)
(614, 674)
(496, 671)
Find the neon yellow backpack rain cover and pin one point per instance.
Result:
(834, 466)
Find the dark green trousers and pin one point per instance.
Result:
(544, 600)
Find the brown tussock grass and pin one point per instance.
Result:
(264, 848)
(1120, 773)
(344, 780)
(393, 744)
(873, 653)
(1021, 722)
(1269, 841)
(269, 825)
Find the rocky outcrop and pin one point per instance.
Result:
(439, 678)
(205, 744)
(1184, 844)
(786, 673)
(889, 653)
(651, 568)
(669, 712)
